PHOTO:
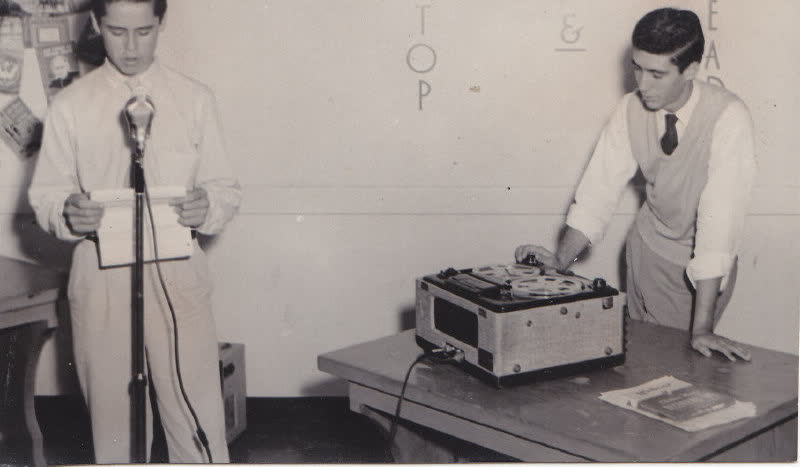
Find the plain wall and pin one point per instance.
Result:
(352, 191)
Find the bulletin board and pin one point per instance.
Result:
(50, 31)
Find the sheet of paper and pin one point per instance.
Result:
(116, 242)
(58, 66)
(629, 399)
(19, 128)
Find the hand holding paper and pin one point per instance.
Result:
(82, 214)
(192, 209)
(116, 231)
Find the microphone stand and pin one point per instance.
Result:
(139, 382)
(139, 113)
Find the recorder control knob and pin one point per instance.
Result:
(449, 272)
(599, 284)
(505, 292)
(531, 260)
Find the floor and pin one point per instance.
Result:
(280, 430)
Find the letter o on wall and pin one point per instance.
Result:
(421, 58)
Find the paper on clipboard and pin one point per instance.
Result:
(116, 245)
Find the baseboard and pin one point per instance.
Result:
(72, 406)
(66, 417)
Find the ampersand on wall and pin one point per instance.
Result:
(570, 34)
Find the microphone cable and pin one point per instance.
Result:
(201, 434)
(437, 354)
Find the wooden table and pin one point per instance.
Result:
(563, 420)
(29, 295)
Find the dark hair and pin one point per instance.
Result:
(671, 31)
(99, 7)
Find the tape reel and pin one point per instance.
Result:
(506, 272)
(530, 281)
(547, 286)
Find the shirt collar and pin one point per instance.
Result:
(144, 79)
(685, 112)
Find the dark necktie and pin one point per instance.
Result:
(670, 139)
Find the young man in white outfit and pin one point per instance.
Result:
(86, 147)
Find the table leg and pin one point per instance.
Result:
(20, 437)
(412, 444)
(778, 444)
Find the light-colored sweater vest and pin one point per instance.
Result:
(667, 219)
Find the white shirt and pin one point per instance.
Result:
(85, 148)
(723, 202)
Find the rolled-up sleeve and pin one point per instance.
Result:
(215, 174)
(54, 178)
(724, 201)
(611, 167)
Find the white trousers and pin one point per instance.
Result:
(100, 308)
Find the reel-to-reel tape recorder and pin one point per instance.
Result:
(517, 322)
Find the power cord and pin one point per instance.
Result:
(437, 354)
(201, 434)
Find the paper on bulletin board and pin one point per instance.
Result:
(116, 234)
(43, 30)
(58, 65)
(20, 129)
(631, 398)
(10, 70)
(51, 7)
(11, 54)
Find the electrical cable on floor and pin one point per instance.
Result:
(201, 434)
(439, 355)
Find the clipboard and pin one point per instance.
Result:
(116, 242)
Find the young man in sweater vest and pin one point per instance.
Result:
(694, 145)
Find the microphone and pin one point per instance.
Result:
(139, 113)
